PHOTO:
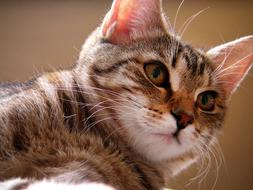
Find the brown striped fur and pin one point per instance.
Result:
(48, 143)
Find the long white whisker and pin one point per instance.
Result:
(175, 19)
(233, 65)
(189, 21)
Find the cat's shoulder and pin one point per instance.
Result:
(12, 88)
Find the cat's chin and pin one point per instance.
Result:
(159, 147)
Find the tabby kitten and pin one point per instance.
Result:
(131, 114)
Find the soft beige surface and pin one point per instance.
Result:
(36, 35)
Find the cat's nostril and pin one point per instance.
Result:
(183, 119)
(186, 119)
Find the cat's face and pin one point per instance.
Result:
(168, 98)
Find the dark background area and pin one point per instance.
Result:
(43, 35)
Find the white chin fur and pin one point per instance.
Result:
(158, 148)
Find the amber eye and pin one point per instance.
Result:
(157, 73)
(206, 100)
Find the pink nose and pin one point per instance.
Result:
(183, 119)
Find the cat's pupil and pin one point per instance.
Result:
(205, 99)
(156, 72)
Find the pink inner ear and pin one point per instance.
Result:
(233, 60)
(131, 16)
(119, 15)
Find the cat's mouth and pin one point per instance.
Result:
(176, 136)
(169, 137)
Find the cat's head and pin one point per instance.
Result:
(167, 97)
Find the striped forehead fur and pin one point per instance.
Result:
(165, 48)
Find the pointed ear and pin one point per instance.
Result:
(232, 61)
(128, 17)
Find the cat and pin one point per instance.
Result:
(136, 109)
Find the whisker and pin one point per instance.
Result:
(220, 66)
(102, 109)
(174, 27)
(190, 20)
(234, 64)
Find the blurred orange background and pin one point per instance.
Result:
(37, 36)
